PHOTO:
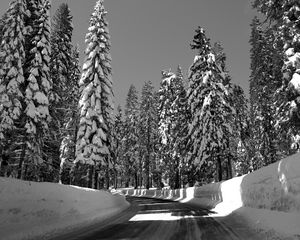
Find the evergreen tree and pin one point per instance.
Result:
(25, 82)
(148, 126)
(180, 126)
(230, 118)
(38, 84)
(61, 66)
(207, 97)
(284, 16)
(118, 161)
(166, 120)
(241, 143)
(131, 135)
(96, 106)
(12, 72)
(265, 80)
(68, 144)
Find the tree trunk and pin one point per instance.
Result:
(147, 173)
(22, 157)
(219, 168)
(177, 179)
(229, 168)
(136, 180)
(90, 176)
(107, 176)
(95, 182)
(115, 178)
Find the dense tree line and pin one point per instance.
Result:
(58, 122)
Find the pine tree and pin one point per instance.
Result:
(68, 144)
(12, 72)
(12, 58)
(118, 159)
(96, 106)
(241, 143)
(209, 108)
(61, 46)
(148, 126)
(26, 83)
(131, 135)
(265, 79)
(231, 117)
(180, 126)
(284, 16)
(38, 84)
(166, 121)
(61, 67)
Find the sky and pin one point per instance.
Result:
(149, 36)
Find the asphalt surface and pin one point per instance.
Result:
(161, 219)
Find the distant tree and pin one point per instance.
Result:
(241, 143)
(96, 107)
(148, 126)
(118, 159)
(180, 127)
(131, 136)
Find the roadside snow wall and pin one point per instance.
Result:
(275, 187)
(267, 199)
(30, 209)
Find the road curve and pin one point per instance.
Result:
(161, 219)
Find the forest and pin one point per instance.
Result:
(58, 122)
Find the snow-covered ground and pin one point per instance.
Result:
(30, 209)
(268, 199)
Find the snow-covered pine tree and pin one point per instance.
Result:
(148, 127)
(227, 155)
(38, 84)
(61, 67)
(96, 104)
(207, 95)
(169, 93)
(131, 136)
(68, 144)
(285, 16)
(12, 58)
(24, 79)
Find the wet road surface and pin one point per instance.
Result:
(161, 219)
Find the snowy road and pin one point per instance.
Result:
(160, 219)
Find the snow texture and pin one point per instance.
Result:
(30, 209)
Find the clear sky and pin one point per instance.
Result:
(151, 35)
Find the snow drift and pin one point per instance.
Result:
(30, 209)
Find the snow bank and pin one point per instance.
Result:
(269, 197)
(30, 209)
